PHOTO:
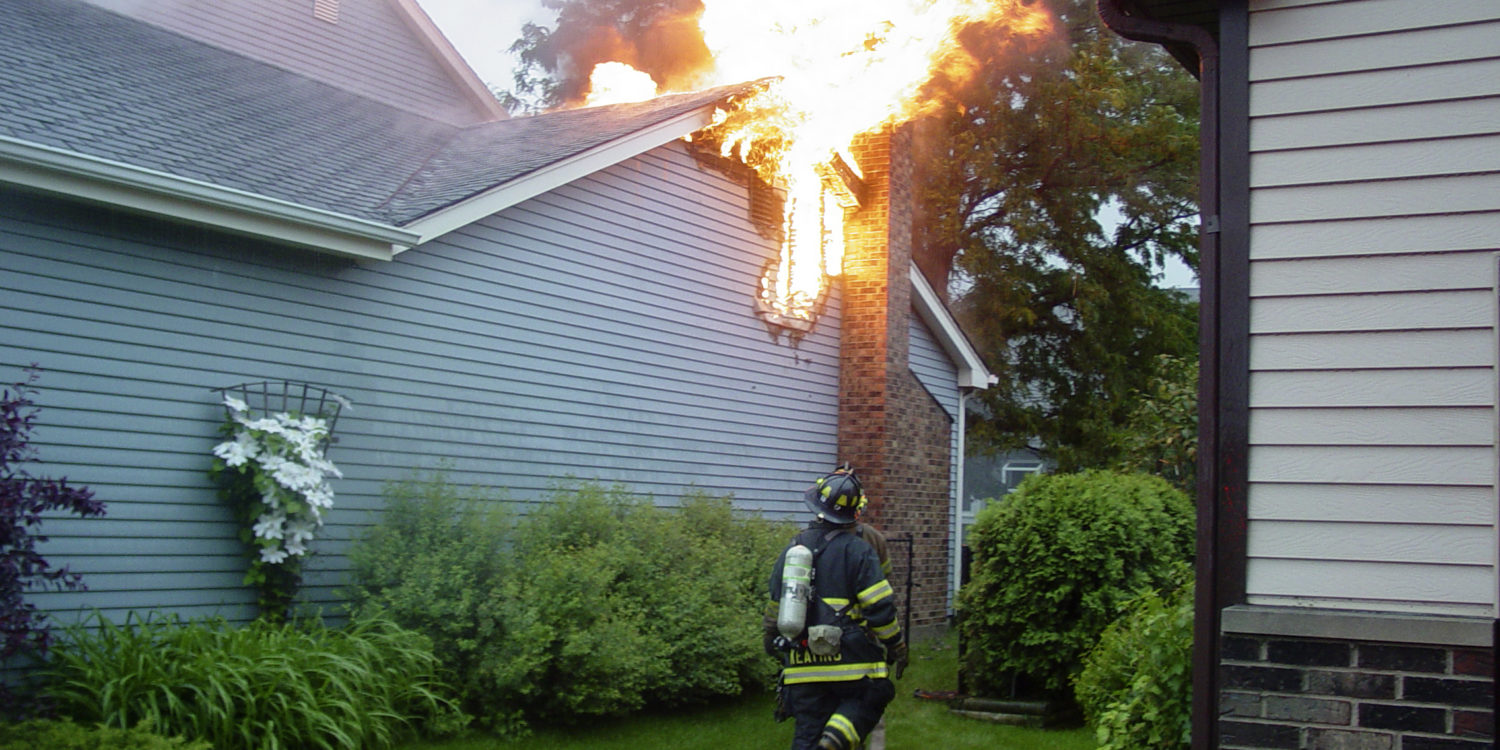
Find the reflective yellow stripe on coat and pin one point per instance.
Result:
(834, 672)
(875, 593)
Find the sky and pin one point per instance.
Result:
(482, 31)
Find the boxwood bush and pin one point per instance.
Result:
(1054, 563)
(594, 602)
(1136, 687)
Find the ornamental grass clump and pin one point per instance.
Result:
(1054, 564)
(265, 685)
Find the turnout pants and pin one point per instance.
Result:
(849, 710)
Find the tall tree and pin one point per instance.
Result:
(1060, 185)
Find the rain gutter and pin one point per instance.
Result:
(958, 495)
(1222, 326)
(80, 176)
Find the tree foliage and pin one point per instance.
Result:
(1065, 179)
(1160, 435)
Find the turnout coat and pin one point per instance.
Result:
(850, 590)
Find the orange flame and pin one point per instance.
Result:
(618, 83)
(841, 68)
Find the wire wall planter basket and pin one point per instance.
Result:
(270, 397)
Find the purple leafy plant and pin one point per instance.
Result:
(23, 500)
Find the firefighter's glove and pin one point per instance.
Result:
(898, 657)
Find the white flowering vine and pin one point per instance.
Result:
(274, 470)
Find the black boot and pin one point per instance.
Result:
(830, 741)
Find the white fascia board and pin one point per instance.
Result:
(558, 173)
(126, 186)
(971, 370)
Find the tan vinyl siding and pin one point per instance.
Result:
(1375, 223)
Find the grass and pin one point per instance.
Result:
(746, 724)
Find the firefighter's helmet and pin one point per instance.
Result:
(836, 496)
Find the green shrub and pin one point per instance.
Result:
(631, 604)
(295, 685)
(433, 564)
(595, 603)
(1136, 685)
(47, 734)
(1053, 564)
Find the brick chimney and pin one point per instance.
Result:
(892, 431)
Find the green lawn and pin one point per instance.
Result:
(746, 724)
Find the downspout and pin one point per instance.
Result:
(958, 500)
(1207, 593)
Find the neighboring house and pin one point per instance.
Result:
(520, 300)
(1347, 590)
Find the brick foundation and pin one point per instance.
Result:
(890, 428)
(1287, 692)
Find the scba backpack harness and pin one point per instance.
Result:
(798, 591)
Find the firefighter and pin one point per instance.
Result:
(836, 667)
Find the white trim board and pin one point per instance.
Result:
(558, 173)
(971, 370)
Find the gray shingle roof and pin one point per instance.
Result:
(82, 79)
(482, 156)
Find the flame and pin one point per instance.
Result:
(619, 83)
(839, 68)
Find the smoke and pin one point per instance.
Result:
(658, 37)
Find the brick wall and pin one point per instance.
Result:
(890, 428)
(1281, 692)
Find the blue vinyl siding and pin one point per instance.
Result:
(938, 374)
(601, 331)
